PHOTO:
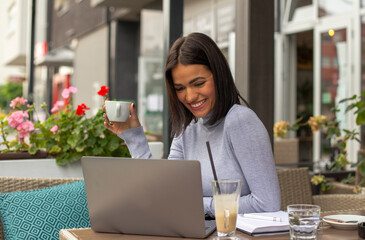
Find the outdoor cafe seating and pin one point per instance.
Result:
(295, 187)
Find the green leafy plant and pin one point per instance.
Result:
(9, 91)
(66, 134)
(321, 180)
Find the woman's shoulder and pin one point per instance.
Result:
(241, 117)
(241, 112)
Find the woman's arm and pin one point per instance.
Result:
(136, 141)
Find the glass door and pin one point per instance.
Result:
(150, 99)
(333, 80)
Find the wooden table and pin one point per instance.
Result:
(326, 233)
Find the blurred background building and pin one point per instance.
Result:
(289, 58)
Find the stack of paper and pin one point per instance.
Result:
(263, 223)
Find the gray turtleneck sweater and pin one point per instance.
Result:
(241, 149)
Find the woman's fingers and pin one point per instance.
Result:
(108, 126)
(132, 110)
(106, 117)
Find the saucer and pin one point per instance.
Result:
(341, 221)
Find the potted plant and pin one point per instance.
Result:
(66, 134)
(319, 184)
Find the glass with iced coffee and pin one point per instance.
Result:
(226, 194)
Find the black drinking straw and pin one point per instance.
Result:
(213, 167)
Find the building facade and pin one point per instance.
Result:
(319, 61)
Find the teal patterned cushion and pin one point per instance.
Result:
(41, 214)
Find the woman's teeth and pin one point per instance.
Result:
(198, 104)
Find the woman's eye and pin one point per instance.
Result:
(179, 89)
(199, 84)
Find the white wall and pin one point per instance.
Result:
(90, 69)
(15, 39)
(6, 71)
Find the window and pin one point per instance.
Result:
(326, 62)
(301, 10)
(334, 7)
(225, 22)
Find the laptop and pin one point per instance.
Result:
(145, 196)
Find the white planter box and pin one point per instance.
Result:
(47, 168)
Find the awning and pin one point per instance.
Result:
(63, 56)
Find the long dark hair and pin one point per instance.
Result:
(198, 48)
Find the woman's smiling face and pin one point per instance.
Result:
(194, 86)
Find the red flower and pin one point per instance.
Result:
(81, 109)
(85, 107)
(103, 91)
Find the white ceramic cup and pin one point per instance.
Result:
(117, 111)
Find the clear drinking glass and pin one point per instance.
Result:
(226, 194)
(303, 220)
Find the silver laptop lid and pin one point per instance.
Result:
(144, 196)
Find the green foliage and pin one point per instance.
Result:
(358, 104)
(355, 105)
(349, 179)
(8, 92)
(76, 136)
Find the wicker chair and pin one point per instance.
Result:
(295, 187)
(342, 188)
(13, 184)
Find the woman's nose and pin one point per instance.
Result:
(190, 95)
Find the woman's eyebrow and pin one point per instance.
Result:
(195, 79)
(191, 81)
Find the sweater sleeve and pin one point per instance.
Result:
(252, 148)
(176, 149)
(136, 141)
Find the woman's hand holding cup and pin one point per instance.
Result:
(120, 116)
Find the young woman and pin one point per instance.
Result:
(205, 106)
